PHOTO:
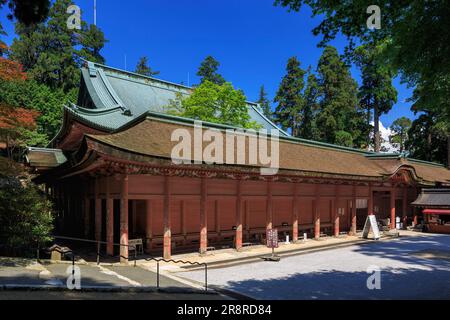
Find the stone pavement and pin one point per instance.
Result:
(413, 266)
(29, 274)
(229, 257)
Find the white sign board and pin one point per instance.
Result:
(371, 222)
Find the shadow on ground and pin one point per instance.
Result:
(421, 271)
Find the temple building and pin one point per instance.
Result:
(111, 172)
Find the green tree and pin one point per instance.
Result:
(289, 97)
(48, 102)
(143, 68)
(208, 71)
(26, 216)
(400, 128)
(308, 129)
(51, 53)
(215, 103)
(414, 42)
(427, 138)
(92, 41)
(376, 93)
(339, 116)
(27, 12)
(264, 103)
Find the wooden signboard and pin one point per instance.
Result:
(371, 222)
(272, 238)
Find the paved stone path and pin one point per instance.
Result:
(23, 273)
(411, 267)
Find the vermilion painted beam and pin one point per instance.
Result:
(124, 220)
(269, 214)
(109, 220)
(317, 214)
(353, 227)
(370, 202)
(295, 209)
(405, 208)
(392, 205)
(167, 253)
(87, 208)
(148, 224)
(335, 212)
(238, 238)
(203, 218)
(98, 211)
(217, 216)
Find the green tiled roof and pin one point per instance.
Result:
(110, 98)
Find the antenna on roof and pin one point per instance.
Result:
(95, 12)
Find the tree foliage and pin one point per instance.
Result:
(376, 93)
(215, 103)
(26, 215)
(289, 97)
(143, 68)
(339, 118)
(208, 71)
(400, 128)
(264, 103)
(51, 53)
(414, 43)
(427, 138)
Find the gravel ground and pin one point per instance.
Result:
(411, 268)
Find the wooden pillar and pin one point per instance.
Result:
(392, 205)
(124, 220)
(415, 209)
(183, 222)
(203, 218)
(269, 214)
(295, 209)
(134, 217)
(87, 216)
(148, 224)
(167, 253)
(405, 207)
(109, 220)
(334, 207)
(317, 214)
(247, 217)
(370, 201)
(98, 211)
(353, 228)
(217, 218)
(238, 238)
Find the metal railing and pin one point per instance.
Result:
(158, 260)
(98, 243)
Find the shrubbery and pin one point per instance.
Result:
(26, 215)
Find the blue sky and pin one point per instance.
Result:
(251, 39)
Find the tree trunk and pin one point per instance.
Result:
(376, 133)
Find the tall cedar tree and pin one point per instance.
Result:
(400, 128)
(289, 97)
(26, 12)
(208, 71)
(143, 68)
(264, 103)
(376, 94)
(308, 130)
(414, 45)
(51, 53)
(339, 119)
